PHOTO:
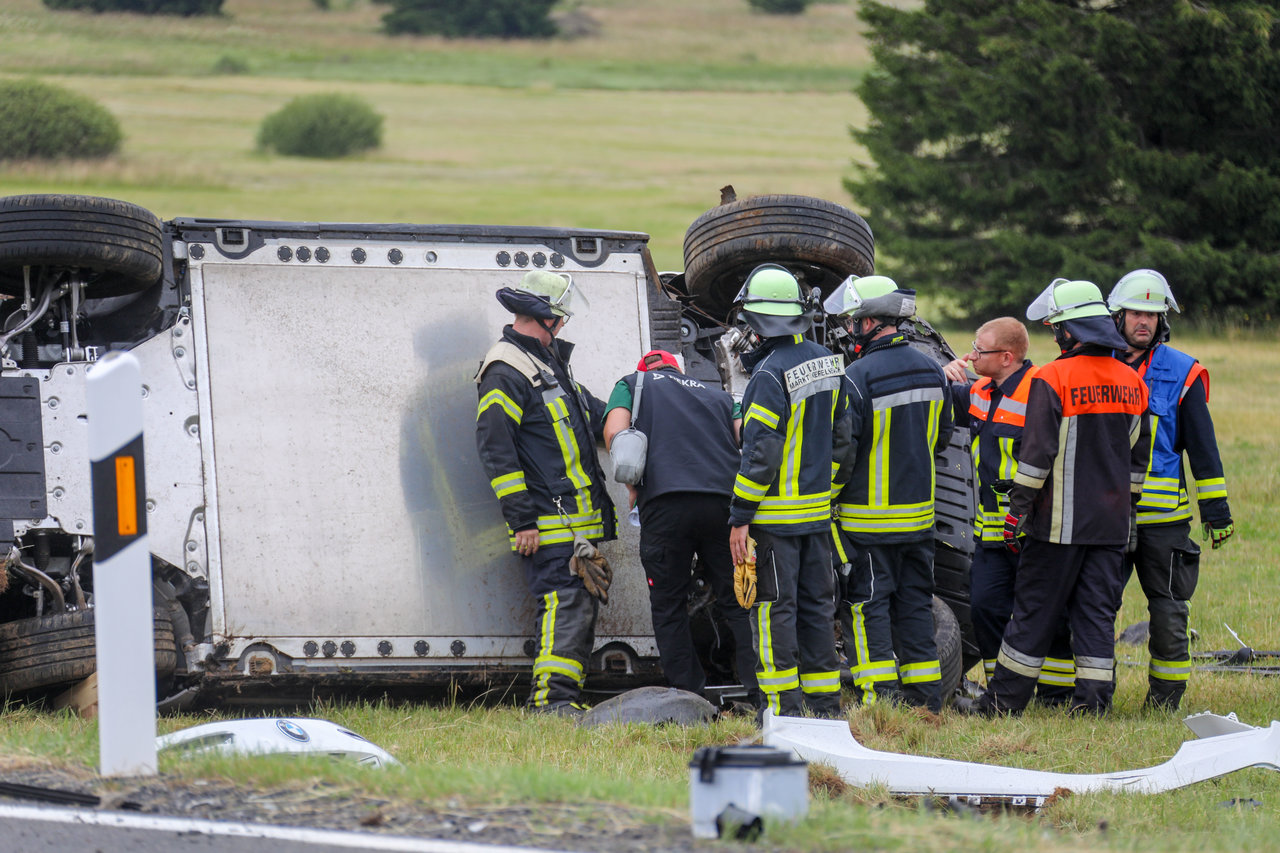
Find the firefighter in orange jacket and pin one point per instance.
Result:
(1080, 471)
(994, 409)
(1166, 559)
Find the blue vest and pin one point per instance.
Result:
(1164, 494)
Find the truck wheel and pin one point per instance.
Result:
(818, 240)
(946, 633)
(115, 244)
(54, 651)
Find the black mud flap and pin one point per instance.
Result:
(22, 474)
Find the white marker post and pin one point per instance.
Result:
(123, 619)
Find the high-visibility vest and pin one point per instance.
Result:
(1169, 374)
(997, 435)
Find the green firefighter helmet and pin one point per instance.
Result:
(1064, 299)
(870, 296)
(544, 295)
(771, 303)
(1142, 290)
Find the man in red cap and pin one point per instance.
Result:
(683, 500)
(656, 359)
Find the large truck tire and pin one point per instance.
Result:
(946, 634)
(116, 245)
(821, 242)
(47, 652)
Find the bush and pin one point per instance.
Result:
(471, 18)
(186, 8)
(42, 121)
(779, 7)
(326, 125)
(231, 64)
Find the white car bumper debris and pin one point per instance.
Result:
(292, 735)
(1226, 745)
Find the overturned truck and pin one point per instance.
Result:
(317, 517)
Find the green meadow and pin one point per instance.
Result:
(635, 128)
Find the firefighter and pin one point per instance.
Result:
(900, 417)
(536, 433)
(994, 410)
(1080, 471)
(1166, 558)
(683, 502)
(795, 449)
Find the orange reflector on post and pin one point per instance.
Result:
(126, 496)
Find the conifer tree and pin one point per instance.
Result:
(1015, 141)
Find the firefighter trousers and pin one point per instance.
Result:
(793, 624)
(1168, 567)
(566, 625)
(887, 622)
(673, 528)
(991, 578)
(1082, 581)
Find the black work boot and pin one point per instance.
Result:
(1164, 699)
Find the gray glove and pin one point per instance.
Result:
(589, 564)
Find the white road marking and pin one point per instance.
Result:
(330, 837)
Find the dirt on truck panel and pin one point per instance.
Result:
(319, 522)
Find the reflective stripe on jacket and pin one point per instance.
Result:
(997, 437)
(901, 415)
(1085, 449)
(1170, 374)
(795, 439)
(536, 432)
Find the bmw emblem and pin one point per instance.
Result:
(293, 731)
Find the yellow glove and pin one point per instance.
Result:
(744, 577)
(1218, 532)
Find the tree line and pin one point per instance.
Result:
(1018, 141)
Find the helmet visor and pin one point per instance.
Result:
(843, 300)
(572, 302)
(1043, 305)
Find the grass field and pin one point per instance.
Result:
(656, 44)
(635, 129)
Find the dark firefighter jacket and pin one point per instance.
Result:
(1084, 449)
(901, 416)
(995, 417)
(795, 439)
(536, 432)
(1178, 386)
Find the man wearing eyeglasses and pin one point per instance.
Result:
(994, 409)
(1081, 467)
